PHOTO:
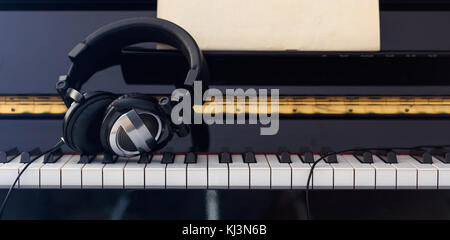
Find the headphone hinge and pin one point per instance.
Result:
(61, 87)
(166, 104)
(74, 95)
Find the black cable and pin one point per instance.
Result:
(308, 211)
(5, 200)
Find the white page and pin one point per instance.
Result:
(306, 25)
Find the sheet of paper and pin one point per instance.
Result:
(306, 25)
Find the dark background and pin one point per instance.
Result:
(33, 52)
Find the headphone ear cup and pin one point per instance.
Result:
(83, 121)
(154, 121)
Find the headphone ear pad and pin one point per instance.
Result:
(82, 128)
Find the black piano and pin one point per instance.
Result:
(412, 66)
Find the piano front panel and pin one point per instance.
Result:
(293, 135)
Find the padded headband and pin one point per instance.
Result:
(102, 49)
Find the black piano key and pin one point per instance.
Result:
(35, 151)
(85, 158)
(364, 157)
(225, 157)
(7, 156)
(109, 158)
(308, 157)
(326, 151)
(13, 152)
(285, 157)
(26, 157)
(442, 155)
(145, 158)
(54, 156)
(422, 156)
(387, 157)
(330, 159)
(168, 157)
(190, 158)
(249, 157)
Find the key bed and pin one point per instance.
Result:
(235, 171)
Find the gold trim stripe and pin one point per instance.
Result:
(15, 105)
(328, 105)
(338, 105)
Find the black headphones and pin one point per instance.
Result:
(133, 123)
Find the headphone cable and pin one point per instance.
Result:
(5, 200)
(307, 202)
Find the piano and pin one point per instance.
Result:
(412, 65)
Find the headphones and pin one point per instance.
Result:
(130, 124)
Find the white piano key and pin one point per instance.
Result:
(406, 174)
(385, 174)
(31, 176)
(343, 174)
(176, 173)
(9, 172)
(133, 174)
(155, 173)
(113, 173)
(51, 173)
(322, 175)
(300, 172)
(443, 174)
(217, 173)
(71, 173)
(259, 173)
(427, 175)
(197, 173)
(281, 173)
(364, 173)
(92, 173)
(239, 173)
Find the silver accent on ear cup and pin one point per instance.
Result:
(134, 127)
(75, 95)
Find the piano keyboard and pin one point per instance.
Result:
(228, 171)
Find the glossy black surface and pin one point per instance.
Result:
(33, 53)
